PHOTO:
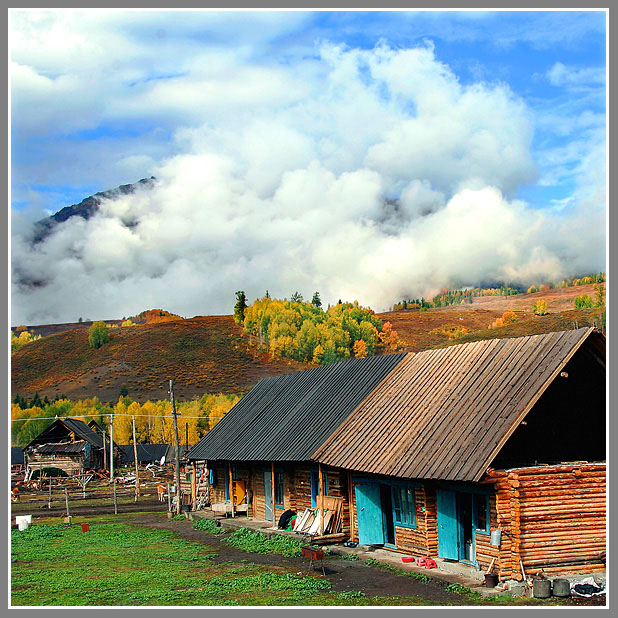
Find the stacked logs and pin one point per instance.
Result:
(552, 518)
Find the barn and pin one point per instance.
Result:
(484, 453)
(70, 445)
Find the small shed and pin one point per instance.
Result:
(70, 445)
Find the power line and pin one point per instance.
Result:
(43, 418)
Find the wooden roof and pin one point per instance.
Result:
(288, 417)
(446, 413)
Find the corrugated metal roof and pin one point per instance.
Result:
(445, 413)
(288, 417)
(145, 452)
(17, 455)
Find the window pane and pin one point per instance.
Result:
(404, 505)
(481, 512)
(397, 504)
(278, 486)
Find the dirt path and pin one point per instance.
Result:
(344, 575)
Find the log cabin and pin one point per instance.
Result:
(483, 453)
(69, 445)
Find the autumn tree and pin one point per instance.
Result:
(98, 334)
(359, 349)
(583, 301)
(540, 307)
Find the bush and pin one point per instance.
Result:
(258, 543)
(98, 335)
(540, 308)
(209, 526)
(48, 472)
(583, 301)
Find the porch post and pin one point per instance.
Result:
(272, 477)
(193, 485)
(321, 483)
(231, 490)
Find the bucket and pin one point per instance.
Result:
(85, 527)
(495, 537)
(491, 580)
(561, 588)
(541, 588)
(23, 521)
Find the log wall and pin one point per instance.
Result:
(70, 463)
(553, 519)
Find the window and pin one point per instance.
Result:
(278, 487)
(480, 511)
(403, 505)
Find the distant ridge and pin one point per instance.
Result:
(86, 208)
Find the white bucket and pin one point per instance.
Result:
(23, 521)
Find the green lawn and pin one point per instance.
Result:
(120, 564)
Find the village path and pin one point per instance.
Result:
(343, 575)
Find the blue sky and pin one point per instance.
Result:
(425, 105)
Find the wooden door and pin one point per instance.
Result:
(369, 514)
(268, 495)
(448, 526)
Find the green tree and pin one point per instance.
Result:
(297, 297)
(98, 334)
(583, 301)
(316, 300)
(239, 307)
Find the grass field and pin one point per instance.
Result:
(119, 563)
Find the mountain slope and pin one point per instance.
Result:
(202, 355)
(211, 354)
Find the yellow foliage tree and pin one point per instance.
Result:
(359, 349)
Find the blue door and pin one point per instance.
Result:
(268, 495)
(448, 526)
(369, 514)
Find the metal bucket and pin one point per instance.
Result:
(541, 588)
(491, 580)
(495, 538)
(561, 588)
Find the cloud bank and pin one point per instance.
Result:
(363, 174)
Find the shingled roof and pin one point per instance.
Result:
(54, 432)
(288, 417)
(446, 413)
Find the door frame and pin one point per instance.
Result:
(387, 516)
(450, 496)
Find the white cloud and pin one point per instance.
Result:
(275, 177)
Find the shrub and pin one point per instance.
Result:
(209, 526)
(583, 301)
(98, 335)
(258, 543)
(540, 308)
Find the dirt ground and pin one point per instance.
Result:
(344, 575)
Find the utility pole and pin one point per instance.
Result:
(177, 454)
(135, 456)
(111, 448)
